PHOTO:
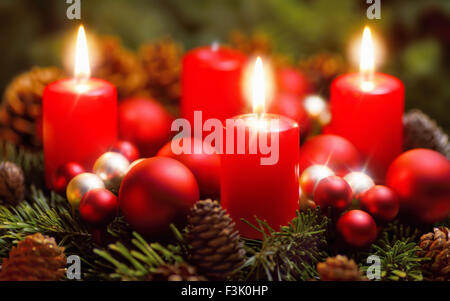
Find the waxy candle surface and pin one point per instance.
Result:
(269, 192)
(370, 118)
(211, 83)
(79, 122)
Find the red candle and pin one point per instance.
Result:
(79, 117)
(211, 83)
(367, 109)
(251, 187)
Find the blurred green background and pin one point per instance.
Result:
(416, 33)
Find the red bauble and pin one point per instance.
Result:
(146, 123)
(381, 202)
(333, 151)
(64, 174)
(291, 105)
(126, 148)
(98, 207)
(357, 228)
(204, 166)
(421, 179)
(333, 192)
(292, 81)
(155, 193)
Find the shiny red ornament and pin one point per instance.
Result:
(292, 81)
(381, 202)
(357, 228)
(333, 151)
(333, 192)
(146, 123)
(98, 207)
(64, 174)
(126, 148)
(421, 179)
(291, 105)
(156, 193)
(205, 166)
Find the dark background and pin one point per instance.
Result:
(416, 33)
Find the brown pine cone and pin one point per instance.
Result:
(161, 62)
(420, 131)
(175, 272)
(36, 258)
(339, 268)
(436, 246)
(215, 246)
(20, 110)
(119, 66)
(12, 183)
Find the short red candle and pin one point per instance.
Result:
(211, 83)
(79, 116)
(367, 109)
(269, 192)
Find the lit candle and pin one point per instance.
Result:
(251, 186)
(211, 83)
(79, 116)
(367, 109)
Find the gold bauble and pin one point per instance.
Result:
(359, 182)
(311, 176)
(111, 168)
(81, 184)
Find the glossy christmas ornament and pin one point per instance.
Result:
(156, 193)
(81, 184)
(205, 166)
(127, 149)
(421, 179)
(381, 202)
(64, 174)
(98, 207)
(311, 176)
(333, 192)
(333, 151)
(111, 167)
(359, 182)
(357, 228)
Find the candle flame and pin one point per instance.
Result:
(82, 68)
(367, 60)
(258, 88)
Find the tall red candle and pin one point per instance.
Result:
(367, 109)
(79, 117)
(252, 188)
(211, 83)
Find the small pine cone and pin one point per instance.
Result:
(161, 62)
(436, 246)
(119, 66)
(12, 183)
(339, 268)
(175, 272)
(420, 131)
(36, 258)
(215, 246)
(20, 110)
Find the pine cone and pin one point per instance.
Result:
(176, 272)
(119, 66)
(161, 62)
(12, 183)
(36, 258)
(420, 131)
(216, 249)
(339, 268)
(436, 247)
(21, 107)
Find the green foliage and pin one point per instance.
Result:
(137, 263)
(289, 254)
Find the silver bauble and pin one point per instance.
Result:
(111, 168)
(359, 182)
(81, 184)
